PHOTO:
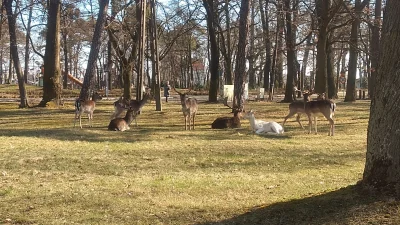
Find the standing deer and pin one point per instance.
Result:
(122, 104)
(228, 122)
(86, 106)
(122, 124)
(189, 109)
(311, 109)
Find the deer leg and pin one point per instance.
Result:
(287, 117)
(185, 122)
(309, 123)
(80, 120)
(76, 117)
(315, 124)
(193, 120)
(331, 127)
(298, 120)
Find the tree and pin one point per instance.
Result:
(375, 39)
(94, 50)
(240, 68)
(52, 73)
(355, 26)
(14, 53)
(383, 156)
(211, 10)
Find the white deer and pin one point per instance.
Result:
(260, 126)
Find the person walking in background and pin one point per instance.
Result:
(167, 87)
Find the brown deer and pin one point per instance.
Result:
(86, 106)
(122, 104)
(189, 109)
(311, 109)
(228, 122)
(122, 124)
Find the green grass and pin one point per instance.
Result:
(157, 173)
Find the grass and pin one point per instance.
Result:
(157, 173)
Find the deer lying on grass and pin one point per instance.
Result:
(260, 126)
(122, 104)
(311, 109)
(228, 122)
(86, 106)
(189, 108)
(122, 124)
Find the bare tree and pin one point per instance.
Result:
(14, 53)
(240, 69)
(94, 50)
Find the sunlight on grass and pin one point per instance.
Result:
(157, 173)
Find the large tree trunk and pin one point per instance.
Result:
(155, 57)
(94, 50)
(322, 8)
(14, 53)
(375, 39)
(214, 62)
(52, 73)
(240, 69)
(382, 169)
(290, 55)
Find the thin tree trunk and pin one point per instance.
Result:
(28, 34)
(14, 52)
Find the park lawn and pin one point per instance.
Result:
(158, 173)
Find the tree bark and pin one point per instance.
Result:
(375, 39)
(209, 5)
(267, 42)
(382, 168)
(240, 69)
(290, 54)
(94, 50)
(14, 53)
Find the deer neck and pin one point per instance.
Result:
(129, 117)
(252, 120)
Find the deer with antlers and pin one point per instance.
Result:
(86, 106)
(189, 108)
(312, 108)
(228, 122)
(123, 104)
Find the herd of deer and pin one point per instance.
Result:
(133, 108)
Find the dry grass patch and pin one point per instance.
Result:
(157, 173)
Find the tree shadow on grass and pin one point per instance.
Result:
(343, 206)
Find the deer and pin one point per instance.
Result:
(86, 106)
(123, 104)
(228, 122)
(312, 108)
(189, 108)
(260, 126)
(122, 124)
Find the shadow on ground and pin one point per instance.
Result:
(345, 206)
